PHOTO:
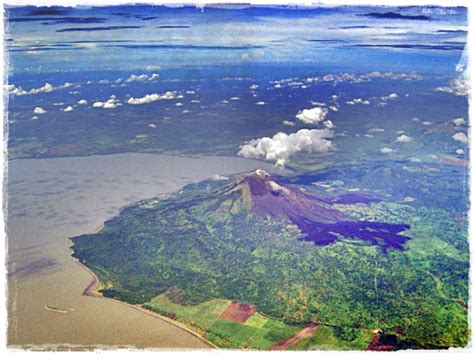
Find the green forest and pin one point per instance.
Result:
(203, 245)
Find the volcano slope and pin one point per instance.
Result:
(296, 257)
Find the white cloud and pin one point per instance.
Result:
(376, 130)
(260, 103)
(19, 91)
(234, 98)
(39, 110)
(333, 108)
(459, 121)
(153, 67)
(459, 151)
(282, 146)
(288, 123)
(358, 101)
(355, 78)
(112, 102)
(152, 125)
(328, 124)
(391, 96)
(458, 87)
(82, 102)
(142, 77)
(460, 137)
(313, 115)
(404, 139)
(151, 98)
(68, 109)
(386, 150)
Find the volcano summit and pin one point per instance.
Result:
(316, 218)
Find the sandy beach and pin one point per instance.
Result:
(50, 200)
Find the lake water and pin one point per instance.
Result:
(50, 200)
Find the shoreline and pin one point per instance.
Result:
(285, 171)
(103, 154)
(92, 290)
(106, 182)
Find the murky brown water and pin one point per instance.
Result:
(52, 199)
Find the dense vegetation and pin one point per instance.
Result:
(206, 245)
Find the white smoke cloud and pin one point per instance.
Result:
(282, 146)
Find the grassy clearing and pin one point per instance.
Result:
(256, 320)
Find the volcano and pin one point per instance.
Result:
(315, 216)
(216, 239)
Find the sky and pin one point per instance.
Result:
(336, 38)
